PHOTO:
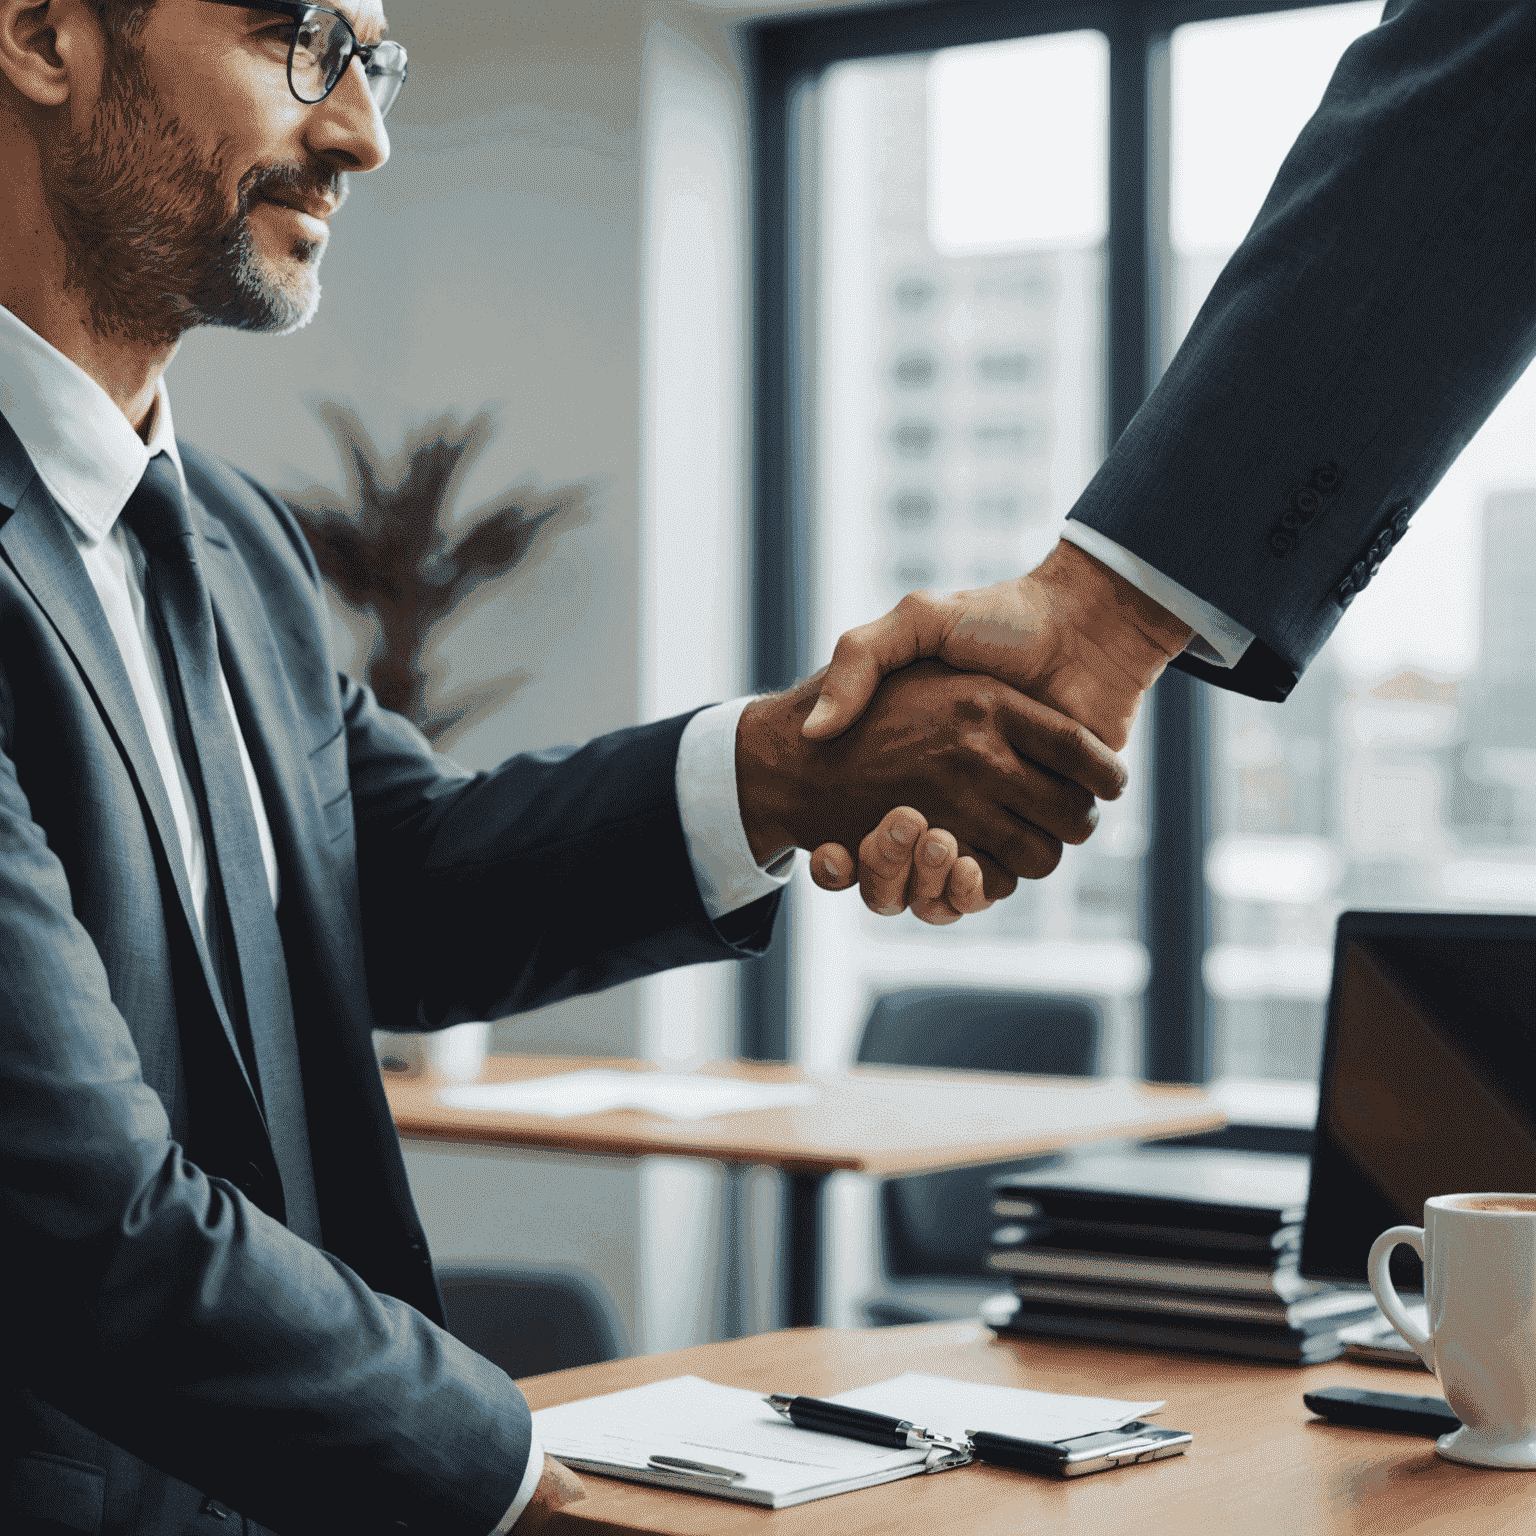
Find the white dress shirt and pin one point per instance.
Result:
(91, 460)
(1217, 639)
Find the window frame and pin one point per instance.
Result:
(784, 55)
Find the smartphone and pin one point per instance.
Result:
(1129, 1445)
(1383, 1410)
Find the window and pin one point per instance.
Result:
(949, 332)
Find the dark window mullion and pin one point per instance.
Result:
(1175, 904)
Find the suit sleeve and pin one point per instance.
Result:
(161, 1309)
(561, 872)
(1380, 307)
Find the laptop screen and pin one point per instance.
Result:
(1429, 1079)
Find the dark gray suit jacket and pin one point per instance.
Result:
(167, 1337)
(1380, 307)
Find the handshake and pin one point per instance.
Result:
(958, 742)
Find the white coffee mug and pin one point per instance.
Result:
(1479, 1254)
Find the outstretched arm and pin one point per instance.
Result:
(1379, 308)
(1071, 634)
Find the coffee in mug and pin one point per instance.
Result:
(1479, 1254)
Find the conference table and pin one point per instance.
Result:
(880, 1121)
(1260, 1463)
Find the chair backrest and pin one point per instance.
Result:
(940, 1223)
(984, 1031)
(532, 1318)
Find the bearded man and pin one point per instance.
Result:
(222, 865)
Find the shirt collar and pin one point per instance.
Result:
(79, 442)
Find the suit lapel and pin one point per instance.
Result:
(36, 541)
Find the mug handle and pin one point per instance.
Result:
(1386, 1293)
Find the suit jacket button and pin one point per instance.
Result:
(1281, 543)
(1307, 502)
(1291, 521)
(1326, 476)
(1400, 522)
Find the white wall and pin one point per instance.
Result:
(693, 577)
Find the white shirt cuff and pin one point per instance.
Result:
(727, 874)
(1217, 639)
(525, 1489)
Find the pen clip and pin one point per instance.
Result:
(700, 1469)
(944, 1451)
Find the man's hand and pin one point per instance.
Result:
(558, 1487)
(1071, 634)
(903, 863)
(1010, 778)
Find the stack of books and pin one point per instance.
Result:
(1187, 1249)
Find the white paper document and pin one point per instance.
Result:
(679, 1096)
(953, 1408)
(729, 1430)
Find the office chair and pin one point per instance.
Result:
(935, 1226)
(532, 1318)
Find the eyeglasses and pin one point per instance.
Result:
(323, 45)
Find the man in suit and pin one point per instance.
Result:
(1380, 307)
(222, 865)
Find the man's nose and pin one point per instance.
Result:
(346, 127)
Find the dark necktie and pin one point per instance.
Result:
(242, 930)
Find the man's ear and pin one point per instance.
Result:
(50, 49)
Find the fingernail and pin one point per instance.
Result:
(899, 834)
(830, 868)
(934, 853)
(891, 911)
(818, 716)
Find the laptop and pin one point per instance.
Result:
(1428, 1087)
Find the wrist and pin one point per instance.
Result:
(558, 1486)
(1141, 635)
(771, 756)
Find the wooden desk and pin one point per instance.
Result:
(880, 1121)
(1260, 1464)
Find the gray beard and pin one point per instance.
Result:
(146, 241)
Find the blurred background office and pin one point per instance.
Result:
(827, 305)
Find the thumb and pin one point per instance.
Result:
(863, 656)
(848, 686)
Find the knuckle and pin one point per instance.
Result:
(1079, 822)
(1031, 854)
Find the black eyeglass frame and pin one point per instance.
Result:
(296, 11)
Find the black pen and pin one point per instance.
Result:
(872, 1428)
(1011, 1451)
